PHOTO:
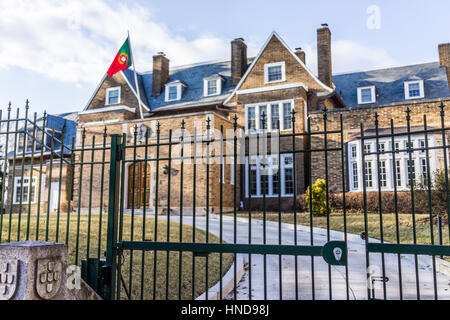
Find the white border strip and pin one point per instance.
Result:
(107, 109)
(272, 88)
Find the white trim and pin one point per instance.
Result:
(274, 33)
(108, 90)
(218, 80)
(271, 168)
(30, 185)
(281, 64)
(107, 109)
(272, 88)
(421, 88)
(268, 106)
(177, 84)
(372, 92)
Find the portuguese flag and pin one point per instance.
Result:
(122, 60)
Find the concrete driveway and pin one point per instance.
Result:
(356, 269)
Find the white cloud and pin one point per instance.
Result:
(75, 41)
(348, 56)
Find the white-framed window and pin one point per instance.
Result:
(383, 173)
(411, 170)
(212, 86)
(366, 95)
(174, 91)
(368, 174)
(389, 174)
(264, 176)
(414, 89)
(275, 72)
(112, 96)
(278, 116)
(423, 171)
(355, 176)
(24, 190)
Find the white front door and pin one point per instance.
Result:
(54, 196)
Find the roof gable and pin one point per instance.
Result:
(276, 50)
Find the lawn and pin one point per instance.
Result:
(140, 283)
(355, 225)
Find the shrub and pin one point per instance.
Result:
(318, 197)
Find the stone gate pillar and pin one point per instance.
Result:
(39, 271)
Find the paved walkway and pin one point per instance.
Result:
(356, 258)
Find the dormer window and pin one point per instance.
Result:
(112, 96)
(212, 86)
(366, 95)
(174, 91)
(275, 72)
(414, 90)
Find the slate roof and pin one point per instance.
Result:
(69, 120)
(389, 83)
(192, 76)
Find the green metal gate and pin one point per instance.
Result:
(145, 220)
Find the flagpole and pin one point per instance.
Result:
(135, 78)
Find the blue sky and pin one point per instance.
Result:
(55, 53)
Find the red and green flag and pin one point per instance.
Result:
(122, 60)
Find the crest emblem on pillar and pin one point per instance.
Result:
(48, 278)
(8, 278)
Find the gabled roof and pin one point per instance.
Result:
(389, 84)
(249, 69)
(192, 76)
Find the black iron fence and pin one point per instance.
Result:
(233, 214)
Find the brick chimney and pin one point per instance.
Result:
(160, 74)
(301, 54)
(238, 60)
(324, 55)
(444, 58)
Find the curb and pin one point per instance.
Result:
(227, 281)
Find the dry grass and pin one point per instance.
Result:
(355, 225)
(90, 240)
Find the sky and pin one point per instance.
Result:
(54, 53)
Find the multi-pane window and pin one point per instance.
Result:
(263, 117)
(269, 178)
(38, 140)
(275, 73)
(289, 181)
(277, 116)
(251, 117)
(354, 151)
(381, 147)
(398, 173)
(367, 148)
(423, 164)
(212, 87)
(276, 182)
(411, 169)
(173, 93)
(113, 95)
(355, 175)
(383, 174)
(366, 95)
(369, 174)
(414, 89)
(24, 190)
(287, 116)
(422, 146)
